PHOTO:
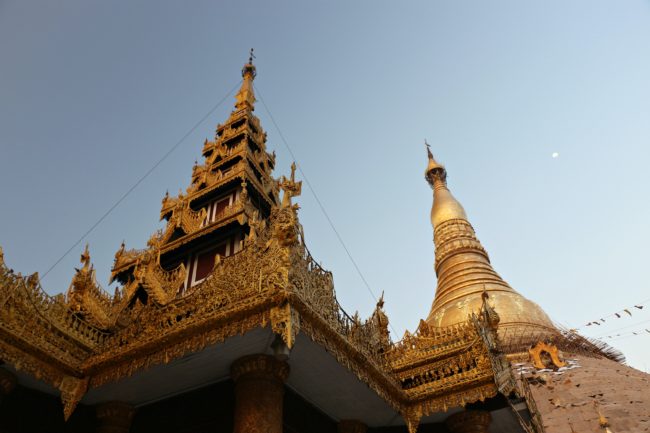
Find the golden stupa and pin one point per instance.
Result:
(463, 267)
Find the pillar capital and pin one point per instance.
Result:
(469, 421)
(351, 426)
(259, 367)
(114, 417)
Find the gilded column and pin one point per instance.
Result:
(469, 421)
(351, 426)
(114, 417)
(7, 383)
(259, 389)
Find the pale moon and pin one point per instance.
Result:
(555, 154)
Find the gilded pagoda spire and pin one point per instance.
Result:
(463, 266)
(246, 95)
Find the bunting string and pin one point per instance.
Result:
(611, 332)
(623, 313)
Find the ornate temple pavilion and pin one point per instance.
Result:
(226, 323)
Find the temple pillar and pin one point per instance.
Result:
(351, 426)
(469, 421)
(114, 417)
(7, 383)
(259, 389)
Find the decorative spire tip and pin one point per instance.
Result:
(428, 146)
(249, 69)
(433, 166)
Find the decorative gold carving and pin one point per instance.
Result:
(290, 187)
(536, 355)
(264, 366)
(469, 421)
(183, 218)
(412, 419)
(255, 225)
(86, 297)
(126, 259)
(285, 321)
(72, 391)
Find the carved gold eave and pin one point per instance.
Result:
(237, 115)
(234, 213)
(34, 361)
(125, 260)
(242, 150)
(240, 171)
(229, 134)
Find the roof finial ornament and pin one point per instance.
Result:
(246, 96)
(434, 169)
(290, 187)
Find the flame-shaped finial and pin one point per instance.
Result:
(85, 257)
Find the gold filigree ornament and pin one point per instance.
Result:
(537, 358)
(72, 391)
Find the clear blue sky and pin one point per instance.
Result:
(92, 93)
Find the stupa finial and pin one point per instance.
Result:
(246, 96)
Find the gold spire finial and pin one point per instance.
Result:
(445, 206)
(434, 169)
(249, 71)
(246, 97)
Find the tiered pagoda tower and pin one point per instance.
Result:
(232, 190)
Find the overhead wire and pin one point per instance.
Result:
(320, 204)
(140, 180)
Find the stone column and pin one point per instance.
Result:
(7, 383)
(469, 421)
(259, 389)
(114, 417)
(351, 426)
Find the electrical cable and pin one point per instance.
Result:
(320, 204)
(139, 181)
